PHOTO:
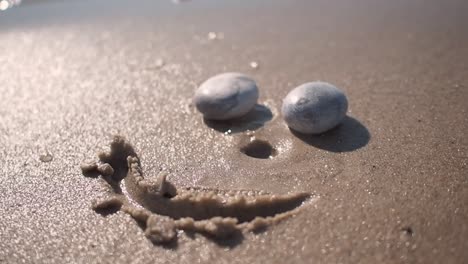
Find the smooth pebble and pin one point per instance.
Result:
(226, 96)
(314, 108)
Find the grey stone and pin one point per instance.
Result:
(226, 96)
(315, 107)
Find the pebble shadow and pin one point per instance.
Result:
(253, 120)
(350, 135)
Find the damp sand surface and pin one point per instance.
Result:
(391, 179)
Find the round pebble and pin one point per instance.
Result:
(315, 107)
(226, 96)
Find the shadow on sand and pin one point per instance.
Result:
(253, 120)
(350, 135)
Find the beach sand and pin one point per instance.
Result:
(391, 180)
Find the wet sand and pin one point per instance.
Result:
(392, 179)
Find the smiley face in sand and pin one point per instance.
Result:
(163, 208)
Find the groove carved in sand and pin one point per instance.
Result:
(163, 208)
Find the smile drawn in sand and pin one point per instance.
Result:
(162, 209)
